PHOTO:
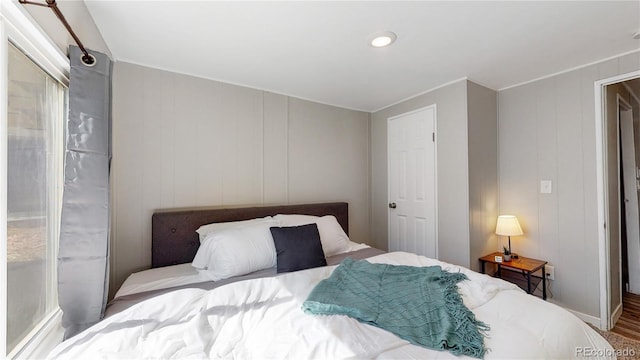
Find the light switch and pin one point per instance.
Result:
(545, 186)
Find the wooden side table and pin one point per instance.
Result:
(526, 265)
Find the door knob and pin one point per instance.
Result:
(392, 205)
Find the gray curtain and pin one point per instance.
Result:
(83, 258)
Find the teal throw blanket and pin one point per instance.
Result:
(419, 304)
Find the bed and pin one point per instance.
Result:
(177, 311)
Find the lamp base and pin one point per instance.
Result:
(513, 256)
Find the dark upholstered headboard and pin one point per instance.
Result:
(173, 232)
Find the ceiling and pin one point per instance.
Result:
(319, 50)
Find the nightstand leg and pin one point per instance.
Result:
(544, 284)
(482, 266)
(529, 282)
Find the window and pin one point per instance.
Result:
(36, 108)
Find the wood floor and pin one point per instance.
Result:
(629, 323)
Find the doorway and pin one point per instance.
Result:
(412, 182)
(617, 132)
(629, 215)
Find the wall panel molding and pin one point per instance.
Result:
(182, 141)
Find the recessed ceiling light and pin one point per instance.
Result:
(636, 35)
(382, 39)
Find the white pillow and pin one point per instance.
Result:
(334, 240)
(205, 230)
(238, 251)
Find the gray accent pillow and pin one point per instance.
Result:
(298, 247)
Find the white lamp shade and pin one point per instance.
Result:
(508, 225)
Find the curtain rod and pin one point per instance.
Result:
(87, 58)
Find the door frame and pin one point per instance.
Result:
(435, 165)
(601, 193)
(624, 105)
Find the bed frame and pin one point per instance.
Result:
(173, 232)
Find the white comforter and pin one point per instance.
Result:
(261, 318)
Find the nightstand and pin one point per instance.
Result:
(521, 266)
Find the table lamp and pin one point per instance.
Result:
(508, 225)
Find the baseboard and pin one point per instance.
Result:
(595, 321)
(616, 314)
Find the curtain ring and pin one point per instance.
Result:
(83, 58)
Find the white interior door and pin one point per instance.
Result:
(412, 182)
(632, 216)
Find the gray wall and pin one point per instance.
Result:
(181, 141)
(467, 170)
(547, 131)
(482, 113)
(452, 170)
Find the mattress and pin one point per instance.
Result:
(146, 284)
